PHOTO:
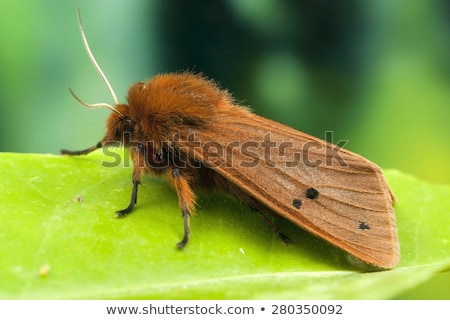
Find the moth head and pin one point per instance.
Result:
(120, 129)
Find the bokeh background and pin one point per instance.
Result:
(376, 73)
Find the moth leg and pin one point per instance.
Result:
(127, 210)
(187, 230)
(272, 226)
(82, 152)
(138, 170)
(186, 200)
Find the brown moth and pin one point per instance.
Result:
(183, 126)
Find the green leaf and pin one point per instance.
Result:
(60, 240)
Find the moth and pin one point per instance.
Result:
(185, 127)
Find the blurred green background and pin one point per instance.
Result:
(376, 73)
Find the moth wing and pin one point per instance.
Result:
(329, 191)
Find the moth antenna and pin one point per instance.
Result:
(96, 105)
(94, 62)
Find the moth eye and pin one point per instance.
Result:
(129, 127)
(363, 225)
(297, 203)
(312, 193)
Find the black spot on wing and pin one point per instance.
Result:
(312, 193)
(297, 203)
(363, 225)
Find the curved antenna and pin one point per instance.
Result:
(96, 105)
(94, 62)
